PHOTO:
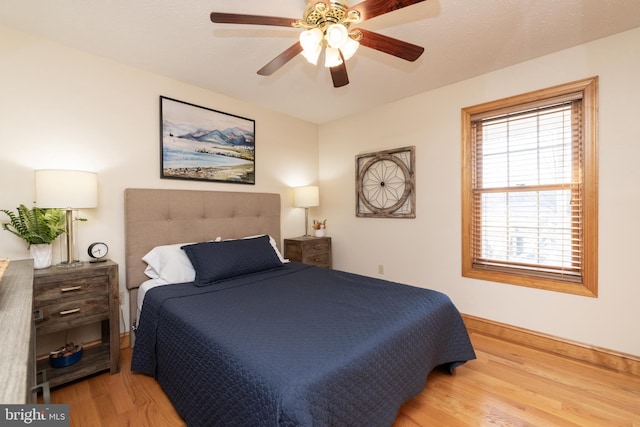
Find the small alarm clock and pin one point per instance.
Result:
(98, 251)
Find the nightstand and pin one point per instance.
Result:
(309, 250)
(65, 298)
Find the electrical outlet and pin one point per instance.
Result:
(380, 269)
(121, 299)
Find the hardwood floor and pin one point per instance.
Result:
(508, 385)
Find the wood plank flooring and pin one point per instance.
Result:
(508, 385)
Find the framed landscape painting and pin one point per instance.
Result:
(203, 144)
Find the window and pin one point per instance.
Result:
(530, 189)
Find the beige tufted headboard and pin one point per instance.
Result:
(155, 217)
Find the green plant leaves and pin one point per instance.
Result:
(36, 225)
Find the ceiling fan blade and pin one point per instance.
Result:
(339, 75)
(235, 18)
(371, 8)
(386, 44)
(280, 60)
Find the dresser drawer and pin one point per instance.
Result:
(293, 251)
(297, 249)
(63, 291)
(67, 314)
(317, 247)
(321, 260)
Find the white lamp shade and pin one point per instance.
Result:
(310, 42)
(66, 189)
(312, 54)
(336, 35)
(349, 48)
(332, 57)
(305, 197)
(310, 38)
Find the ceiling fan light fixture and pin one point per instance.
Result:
(332, 57)
(312, 54)
(325, 26)
(336, 35)
(349, 48)
(310, 40)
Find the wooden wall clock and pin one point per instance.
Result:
(385, 184)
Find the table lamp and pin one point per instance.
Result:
(306, 197)
(68, 190)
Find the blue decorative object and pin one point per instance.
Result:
(65, 356)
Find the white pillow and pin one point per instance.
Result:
(273, 244)
(170, 263)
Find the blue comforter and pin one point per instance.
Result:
(296, 346)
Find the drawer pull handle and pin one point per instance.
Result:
(73, 288)
(39, 315)
(65, 312)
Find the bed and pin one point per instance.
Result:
(265, 342)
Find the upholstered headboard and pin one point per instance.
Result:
(155, 217)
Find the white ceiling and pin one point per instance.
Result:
(462, 39)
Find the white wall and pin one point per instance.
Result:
(426, 251)
(64, 109)
(61, 108)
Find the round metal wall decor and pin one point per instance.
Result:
(385, 184)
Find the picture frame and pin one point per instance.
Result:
(385, 184)
(199, 143)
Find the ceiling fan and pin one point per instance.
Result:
(326, 27)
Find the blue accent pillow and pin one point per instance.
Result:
(215, 261)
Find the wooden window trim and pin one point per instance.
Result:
(589, 285)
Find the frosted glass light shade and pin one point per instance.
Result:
(310, 38)
(332, 57)
(310, 42)
(66, 189)
(312, 54)
(336, 35)
(305, 197)
(349, 48)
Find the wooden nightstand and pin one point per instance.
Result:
(309, 250)
(65, 298)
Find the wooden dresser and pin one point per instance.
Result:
(65, 298)
(17, 352)
(309, 250)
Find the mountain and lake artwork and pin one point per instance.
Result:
(203, 144)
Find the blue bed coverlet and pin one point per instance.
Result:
(296, 346)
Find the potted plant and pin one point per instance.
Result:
(39, 228)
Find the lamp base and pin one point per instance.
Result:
(70, 242)
(70, 264)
